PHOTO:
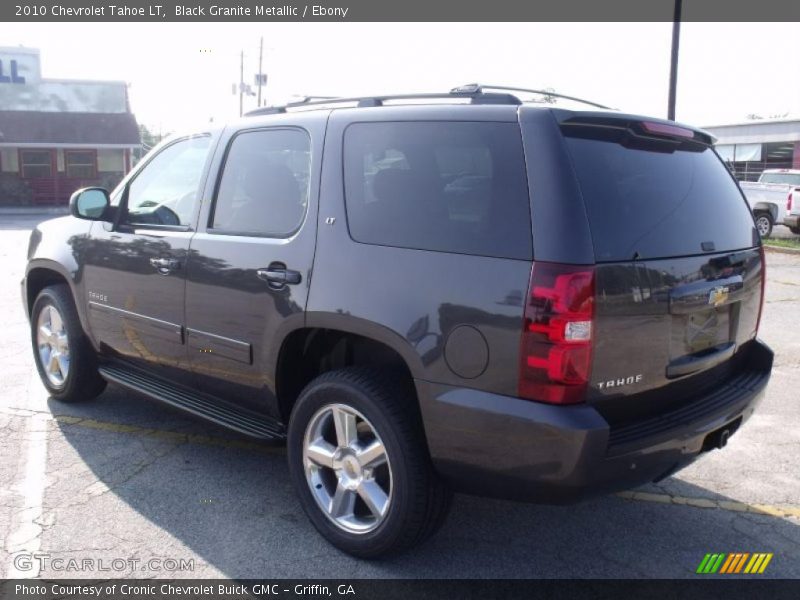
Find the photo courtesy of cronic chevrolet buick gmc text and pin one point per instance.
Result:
(420, 294)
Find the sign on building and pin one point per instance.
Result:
(19, 66)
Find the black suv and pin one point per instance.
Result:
(418, 295)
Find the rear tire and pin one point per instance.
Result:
(764, 224)
(65, 359)
(376, 494)
(795, 230)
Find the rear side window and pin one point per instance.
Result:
(657, 204)
(447, 186)
(264, 185)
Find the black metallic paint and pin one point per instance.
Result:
(494, 445)
(645, 314)
(561, 232)
(415, 298)
(220, 328)
(225, 296)
(59, 246)
(137, 313)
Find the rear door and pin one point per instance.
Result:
(427, 245)
(679, 268)
(250, 263)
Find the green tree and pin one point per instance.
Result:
(149, 138)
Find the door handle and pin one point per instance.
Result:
(691, 364)
(165, 265)
(277, 276)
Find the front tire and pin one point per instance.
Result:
(360, 466)
(764, 224)
(64, 357)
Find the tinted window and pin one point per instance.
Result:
(265, 182)
(658, 204)
(165, 191)
(453, 187)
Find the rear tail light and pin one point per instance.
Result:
(789, 201)
(556, 348)
(763, 286)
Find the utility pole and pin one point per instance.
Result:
(241, 83)
(260, 77)
(673, 67)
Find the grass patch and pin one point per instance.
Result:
(783, 242)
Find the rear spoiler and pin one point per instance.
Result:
(635, 127)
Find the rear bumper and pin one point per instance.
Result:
(505, 447)
(792, 221)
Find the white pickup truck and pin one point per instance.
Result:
(774, 198)
(792, 219)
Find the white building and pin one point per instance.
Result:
(753, 146)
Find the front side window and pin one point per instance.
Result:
(36, 163)
(80, 164)
(165, 192)
(265, 183)
(447, 186)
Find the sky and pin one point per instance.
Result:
(180, 75)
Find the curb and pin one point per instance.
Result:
(780, 250)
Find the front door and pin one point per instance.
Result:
(248, 272)
(135, 270)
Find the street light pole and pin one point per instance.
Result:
(673, 68)
(260, 60)
(241, 83)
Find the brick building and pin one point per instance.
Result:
(58, 135)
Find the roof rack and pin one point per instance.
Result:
(368, 101)
(474, 92)
(304, 101)
(313, 98)
(478, 88)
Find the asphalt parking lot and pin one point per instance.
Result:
(124, 479)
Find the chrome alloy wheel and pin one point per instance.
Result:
(347, 468)
(53, 345)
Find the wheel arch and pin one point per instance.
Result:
(42, 273)
(310, 351)
(767, 207)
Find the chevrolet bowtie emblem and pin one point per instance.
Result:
(718, 295)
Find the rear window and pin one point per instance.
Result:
(451, 187)
(786, 178)
(657, 204)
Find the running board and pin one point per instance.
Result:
(218, 411)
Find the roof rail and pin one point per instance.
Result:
(367, 101)
(478, 88)
(270, 110)
(476, 93)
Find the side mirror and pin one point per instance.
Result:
(90, 203)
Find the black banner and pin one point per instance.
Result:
(390, 589)
(395, 10)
